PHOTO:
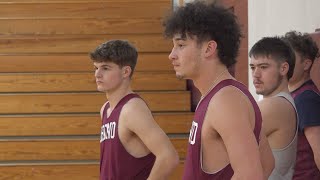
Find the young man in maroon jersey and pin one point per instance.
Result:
(133, 146)
(225, 137)
(307, 100)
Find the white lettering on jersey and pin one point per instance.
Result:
(193, 133)
(108, 131)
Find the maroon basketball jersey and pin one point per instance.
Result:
(306, 167)
(115, 162)
(193, 170)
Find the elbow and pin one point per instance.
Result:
(169, 159)
(174, 160)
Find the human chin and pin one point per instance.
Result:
(179, 75)
(101, 89)
(260, 91)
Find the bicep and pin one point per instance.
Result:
(269, 122)
(240, 143)
(144, 126)
(312, 134)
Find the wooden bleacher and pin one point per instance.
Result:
(49, 106)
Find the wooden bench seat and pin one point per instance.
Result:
(147, 62)
(52, 149)
(80, 26)
(61, 171)
(80, 82)
(84, 9)
(21, 103)
(80, 124)
(21, 44)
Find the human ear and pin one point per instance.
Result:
(211, 48)
(307, 63)
(284, 68)
(126, 71)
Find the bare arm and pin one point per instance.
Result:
(269, 122)
(266, 156)
(313, 136)
(231, 119)
(143, 125)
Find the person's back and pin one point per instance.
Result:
(307, 102)
(133, 146)
(226, 130)
(272, 64)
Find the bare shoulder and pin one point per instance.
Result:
(136, 111)
(136, 104)
(138, 119)
(230, 97)
(274, 105)
(229, 106)
(102, 109)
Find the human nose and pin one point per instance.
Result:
(97, 73)
(172, 55)
(256, 72)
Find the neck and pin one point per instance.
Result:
(114, 96)
(283, 87)
(295, 85)
(209, 79)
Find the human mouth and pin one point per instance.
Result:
(99, 82)
(175, 65)
(257, 83)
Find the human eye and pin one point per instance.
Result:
(181, 45)
(263, 67)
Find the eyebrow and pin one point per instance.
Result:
(179, 38)
(260, 64)
(105, 65)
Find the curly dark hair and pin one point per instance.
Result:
(207, 21)
(303, 44)
(120, 52)
(277, 49)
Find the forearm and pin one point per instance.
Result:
(163, 167)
